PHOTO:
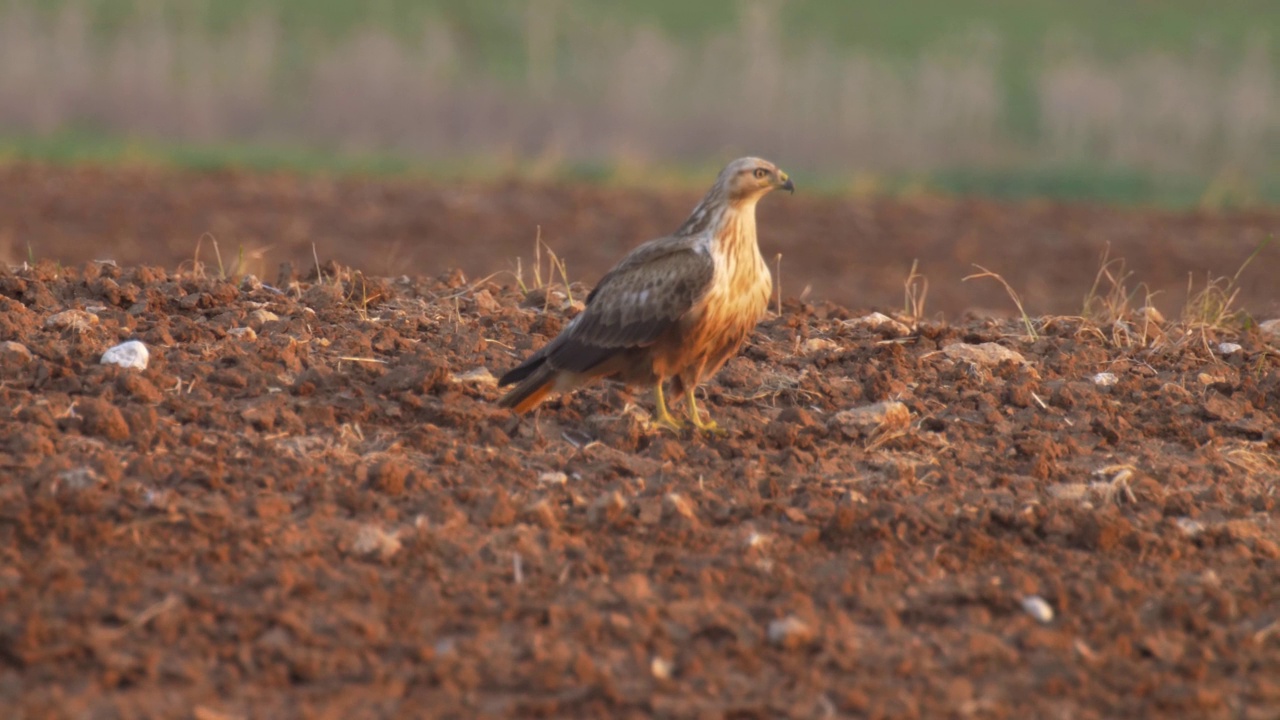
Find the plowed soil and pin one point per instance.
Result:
(853, 252)
(308, 505)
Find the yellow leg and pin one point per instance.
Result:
(662, 417)
(710, 426)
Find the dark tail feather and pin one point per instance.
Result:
(532, 364)
(536, 385)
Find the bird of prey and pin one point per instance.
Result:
(675, 308)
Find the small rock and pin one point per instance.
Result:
(260, 316)
(548, 297)
(77, 320)
(1038, 608)
(660, 668)
(882, 323)
(868, 419)
(1228, 348)
(553, 478)
(1217, 406)
(1270, 328)
(14, 353)
(131, 354)
(486, 303)
(790, 632)
(1105, 379)
(244, 333)
(815, 345)
(635, 588)
(372, 540)
(540, 512)
(607, 508)
(985, 354)
(81, 478)
(445, 647)
(649, 510)
(1189, 527)
(250, 283)
(478, 376)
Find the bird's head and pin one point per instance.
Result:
(748, 179)
(741, 183)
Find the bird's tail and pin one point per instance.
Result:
(531, 390)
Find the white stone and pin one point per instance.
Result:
(790, 631)
(1228, 348)
(1189, 527)
(1038, 608)
(1105, 379)
(131, 354)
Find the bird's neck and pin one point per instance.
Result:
(736, 233)
(721, 217)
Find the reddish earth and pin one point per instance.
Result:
(327, 516)
(856, 253)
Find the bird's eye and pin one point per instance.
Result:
(761, 173)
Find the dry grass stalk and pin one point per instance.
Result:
(1013, 295)
(915, 291)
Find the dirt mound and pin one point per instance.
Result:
(307, 505)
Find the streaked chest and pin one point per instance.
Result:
(742, 283)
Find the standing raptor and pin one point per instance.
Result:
(675, 308)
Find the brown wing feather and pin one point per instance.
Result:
(634, 304)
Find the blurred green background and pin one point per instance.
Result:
(1172, 102)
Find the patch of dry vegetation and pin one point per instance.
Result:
(1118, 309)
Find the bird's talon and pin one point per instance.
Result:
(667, 423)
(711, 427)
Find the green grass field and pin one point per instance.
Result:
(492, 37)
(1067, 184)
(1116, 28)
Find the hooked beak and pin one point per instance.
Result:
(786, 183)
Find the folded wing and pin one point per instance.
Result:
(632, 306)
